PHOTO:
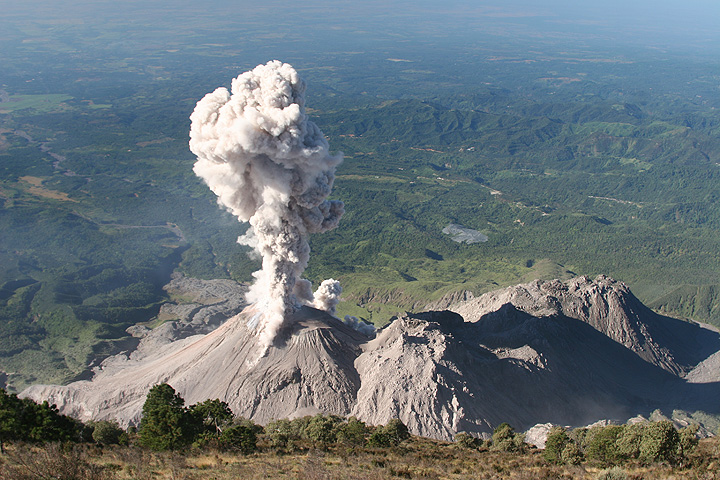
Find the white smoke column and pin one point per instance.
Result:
(270, 166)
(327, 296)
(367, 329)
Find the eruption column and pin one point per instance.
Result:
(269, 166)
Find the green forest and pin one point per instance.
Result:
(565, 160)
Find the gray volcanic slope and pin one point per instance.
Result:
(568, 352)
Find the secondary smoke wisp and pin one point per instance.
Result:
(270, 166)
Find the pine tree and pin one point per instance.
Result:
(166, 424)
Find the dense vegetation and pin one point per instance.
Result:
(206, 440)
(569, 159)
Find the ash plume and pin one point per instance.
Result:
(270, 166)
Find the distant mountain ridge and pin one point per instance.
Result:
(566, 352)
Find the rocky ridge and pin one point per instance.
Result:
(561, 352)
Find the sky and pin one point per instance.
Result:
(680, 24)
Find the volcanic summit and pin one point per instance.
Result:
(566, 352)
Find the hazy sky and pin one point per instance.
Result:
(682, 22)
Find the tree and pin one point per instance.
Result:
(688, 438)
(465, 440)
(378, 439)
(106, 432)
(212, 415)
(602, 445)
(9, 418)
(505, 439)
(238, 437)
(660, 443)
(322, 429)
(353, 432)
(23, 419)
(279, 432)
(396, 431)
(166, 424)
(43, 423)
(628, 442)
(556, 441)
(571, 454)
(390, 435)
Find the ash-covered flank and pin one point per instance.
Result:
(561, 352)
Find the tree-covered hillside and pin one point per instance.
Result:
(563, 158)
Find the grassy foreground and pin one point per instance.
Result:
(417, 458)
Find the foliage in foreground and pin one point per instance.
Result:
(24, 420)
(206, 440)
(416, 457)
(646, 443)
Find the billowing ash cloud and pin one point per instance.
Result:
(367, 329)
(270, 166)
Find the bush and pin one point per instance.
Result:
(688, 439)
(602, 444)
(396, 431)
(378, 439)
(285, 433)
(390, 435)
(53, 461)
(211, 416)
(353, 432)
(556, 441)
(504, 439)
(106, 432)
(571, 454)
(614, 473)
(629, 441)
(239, 438)
(279, 433)
(322, 430)
(25, 420)
(660, 443)
(465, 440)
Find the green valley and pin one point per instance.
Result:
(566, 159)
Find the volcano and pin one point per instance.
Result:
(565, 352)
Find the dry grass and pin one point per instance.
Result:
(416, 459)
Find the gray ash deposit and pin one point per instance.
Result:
(562, 352)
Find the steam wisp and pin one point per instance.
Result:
(270, 166)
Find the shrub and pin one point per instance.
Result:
(106, 432)
(53, 461)
(629, 441)
(285, 433)
(25, 420)
(465, 440)
(390, 435)
(614, 473)
(279, 432)
(322, 429)
(660, 443)
(239, 438)
(397, 431)
(602, 444)
(580, 436)
(504, 439)
(378, 439)
(571, 454)
(211, 415)
(556, 441)
(353, 432)
(688, 439)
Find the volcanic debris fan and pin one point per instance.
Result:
(563, 352)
